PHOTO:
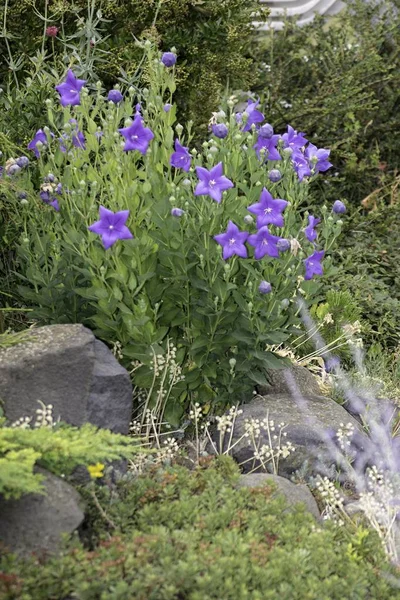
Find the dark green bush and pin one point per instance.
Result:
(338, 80)
(183, 535)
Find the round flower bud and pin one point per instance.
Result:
(288, 151)
(227, 267)
(177, 212)
(265, 287)
(232, 363)
(338, 207)
(285, 303)
(24, 201)
(22, 161)
(213, 150)
(275, 175)
(172, 199)
(168, 59)
(127, 122)
(22, 195)
(238, 137)
(13, 169)
(339, 222)
(248, 220)
(114, 96)
(179, 129)
(186, 182)
(131, 91)
(48, 102)
(283, 245)
(266, 131)
(167, 107)
(220, 130)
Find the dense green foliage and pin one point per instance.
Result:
(338, 80)
(193, 536)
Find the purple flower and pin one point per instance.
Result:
(338, 207)
(332, 363)
(212, 183)
(41, 137)
(268, 210)
(77, 138)
(309, 231)
(22, 195)
(22, 161)
(300, 165)
(313, 265)
(266, 131)
(220, 130)
(137, 137)
(180, 159)
(167, 107)
(265, 287)
(58, 189)
(111, 226)
(168, 59)
(177, 212)
(254, 115)
(293, 140)
(50, 178)
(283, 245)
(13, 169)
(51, 201)
(264, 243)
(232, 241)
(98, 135)
(115, 96)
(269, 147)
(318, 158)
(275, 175)
(69, 90)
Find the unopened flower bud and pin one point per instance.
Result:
(24, 201)
(338, 207)
(232, 363)
(248, 219)
(194, 152)
(265, 287)
(172, 199)
(258, 183)
(285, 303)
(186, 182)
(127, 122)
(227, 267)
(275, 175)
(177, 212)
(179, 128)
(48, 102)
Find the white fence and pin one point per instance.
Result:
(303, 10)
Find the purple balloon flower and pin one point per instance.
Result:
(265, 287)
(168, 59)
(313, 265)
(268, 210)
(77, 138)
(269, 146)
(111, 226)
(167, 107)
(115, 96)
(254, 115)
(232, 241)
(69, 90)
(266, 131)
(283, 245)
(212, 183)
(50, 200)
(338, 207)
(310, 231)
(300, 165)
(275, 175)
(317, 158)
(41, 137)
(22, 161)
(293, 140)
(177, 212)
(220, 130)
(180, 159)
(137, 137)
(264, 243)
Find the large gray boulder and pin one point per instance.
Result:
(36, 522)
(293, 493)
(66, 366)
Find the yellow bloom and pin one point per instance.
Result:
(96, 471)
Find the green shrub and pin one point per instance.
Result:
(338, 80)
(193, 536)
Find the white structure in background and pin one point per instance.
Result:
(304, 10)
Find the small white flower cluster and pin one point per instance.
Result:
(344, 436)
(273, 450)
(350, 330)
(44, 418)
(333, 500)
(267, 452)
(196, 413)
(225, 422)
(328, 319)
(117, 350)
(168, 451)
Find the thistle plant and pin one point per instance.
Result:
(152, 242)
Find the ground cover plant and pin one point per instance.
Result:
(130, 232)
(193, 535)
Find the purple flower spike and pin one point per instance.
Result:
(293, 140)
(309, 231)
(313, 265)
(300, 165)
(220, 130)
(180, 159)
(268, 210)
(254, 115)
(137, 137)
(265, 287)
(111, 226)
(168, 59)
(338, 207)
(264, 243)
(41, 137)
(115, 96)
(212, 183)
(69, 90)
(318, 158)
(269, 147)
(232, 241)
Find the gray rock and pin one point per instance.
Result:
(36, 522)
(309, 421)
(283, 381)
(66, 366)
(293, 493)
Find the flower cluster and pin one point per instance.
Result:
(13, 166)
